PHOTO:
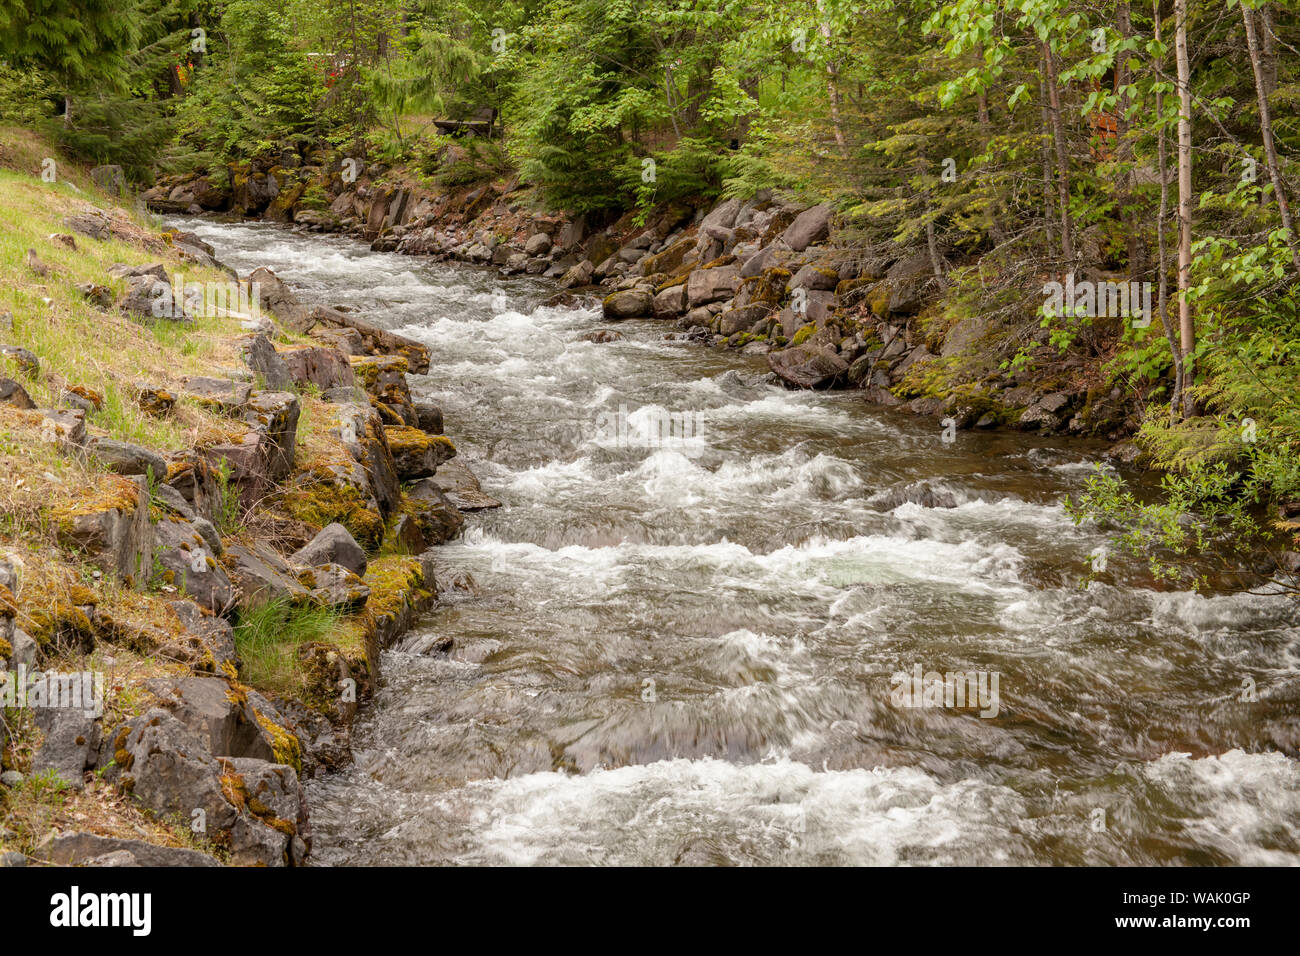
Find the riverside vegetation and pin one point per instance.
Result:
(931, 203)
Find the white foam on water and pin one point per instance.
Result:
(774, 812)
(1246, 806)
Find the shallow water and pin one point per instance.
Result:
(680, 648)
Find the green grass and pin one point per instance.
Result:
(268, 637)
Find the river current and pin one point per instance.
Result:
(677, 641)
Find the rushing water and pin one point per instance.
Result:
(681, 652)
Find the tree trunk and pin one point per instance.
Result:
(1124, 24)
(1266, 132)
(1162, 301)
(1062, 155)
(1268, 47)
(833, 90)
(1045, 156)
(1186, 327)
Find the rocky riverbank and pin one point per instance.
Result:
(762, 275)
(294, 479)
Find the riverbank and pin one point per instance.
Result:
(216, 518)
(765, 275)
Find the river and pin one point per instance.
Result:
(682, 649)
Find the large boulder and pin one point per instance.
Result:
(253, 807)
(262, 575)
(110, 524)
(230, 719)
(1048, 413)
(462, 488)
(671, 302)
(811, 225)
(712, 285)
(265, 362)
(438, 518)
(270, 291)
(127, 459)
(318, 365)
(187, 563)
(628, 304)
(334, 544)
(538, 244)
(90, 849)
(416, 453)
(804, 367)
(742, 319)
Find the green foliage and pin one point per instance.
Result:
(267, 639)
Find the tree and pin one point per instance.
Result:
(1186, 327)
(75, 41)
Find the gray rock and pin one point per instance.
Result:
(462, 488)
(230, 724)
(712, 285)
(92, 223)
(262, 576)
(318, 365)
(76, 849)
(11, 778)
(629, 303)
(168, 769)
(208, 634)
(153, 299)
(22, 359)
(438, 518)
(344, 395)
(815, 276)
(154, 270)
(805, 367)
(741, 320)
(12, 393)
(332, 585)
(1047, 413)
(538, 244)
(272, 293)
(429, 417)
(127, 459)
(671, 302)
(581, 274)
(334, 544)
(274, 415)
(71, 744)
(811, 225)
(189, 564)
(26, 652)
(117, 535)
(222, 394)
(263, 360)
